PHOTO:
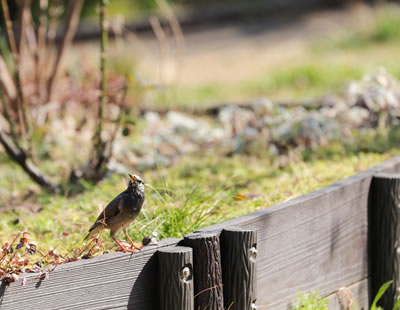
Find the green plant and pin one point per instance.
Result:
(379, 295)
(384, 29)
(311, 301)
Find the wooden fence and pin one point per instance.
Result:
(341, 240)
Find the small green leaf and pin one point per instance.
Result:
(378, 296)
(397, 305)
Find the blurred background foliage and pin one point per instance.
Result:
(129, 8)
(194, 181)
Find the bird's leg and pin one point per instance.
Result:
(122, 248)
(129, 238)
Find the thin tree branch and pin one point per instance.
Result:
(40, 52)
(95, 167)
(18, 156)
(6, 81)
(103, 80)
(55, 11)
(177, 32)
(14, 52)
(74, 10)
(163, 45)
(10, 33)
(7, 116)
(24, 19)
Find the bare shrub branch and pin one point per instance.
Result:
(24, 17)
(73, 14)
(177, 32)
(40, 52)
(96, 166)
(17, 77)
(6, 81)
(19, 156)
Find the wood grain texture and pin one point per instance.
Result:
(239, 273)
(354, 297)
(111, 281)
(384, 234)
(207, 270)
(175, 271)
(317, 241)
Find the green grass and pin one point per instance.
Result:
(384, 30)
(315, 75)
(305, 80)
(326, 67)
(196, 192)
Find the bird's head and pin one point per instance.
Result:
(136, 183)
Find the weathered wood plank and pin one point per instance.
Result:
(176, 278)
(384, 235)
(239, 268)
(317, 241)
(115, 280)
(207, 270)
(355, 296)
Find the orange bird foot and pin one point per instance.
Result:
(133, 246)
(122, 248)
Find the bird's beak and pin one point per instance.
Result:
(133, 178)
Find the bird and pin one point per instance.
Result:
(120, 212)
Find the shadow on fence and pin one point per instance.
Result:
(340, 240)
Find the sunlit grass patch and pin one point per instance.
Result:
(198, 191)
(304, 80)
(383, 29)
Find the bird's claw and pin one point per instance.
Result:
(122, 248)
(133, 246)
(125, 250)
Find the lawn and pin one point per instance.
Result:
(196, 192)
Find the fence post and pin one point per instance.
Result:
(176, 278)
(384, 233)
(239, 268)
(207, 269)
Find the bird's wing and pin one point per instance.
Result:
(111, 210)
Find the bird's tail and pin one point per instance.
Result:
(93, 231)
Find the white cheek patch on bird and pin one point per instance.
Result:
(141, 187)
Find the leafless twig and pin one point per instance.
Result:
(8, 117)
(73, 13)
(23, 22)
(103, 79)
(41, 47)
(6, 81)
(20, 95)
(19, 156)
(177, 32)
(163, 44)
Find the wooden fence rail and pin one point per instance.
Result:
(327, 240)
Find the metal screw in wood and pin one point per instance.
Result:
(253, 254)
(185, 274)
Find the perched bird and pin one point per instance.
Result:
(120, 212)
